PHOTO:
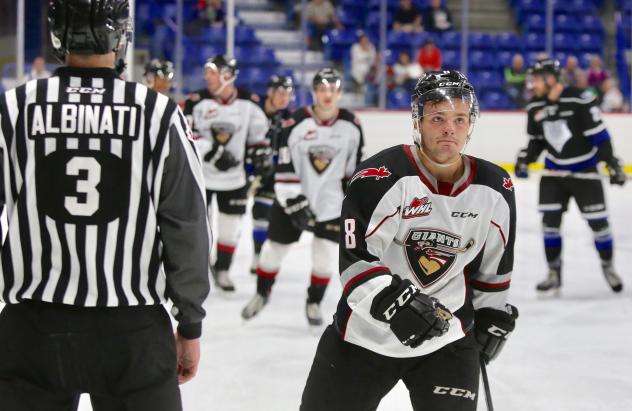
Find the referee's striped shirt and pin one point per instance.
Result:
(104, 197)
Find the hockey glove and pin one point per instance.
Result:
(617, 175)
(300, 214)
(492, 327)
(414, 317)
(259, 158)
(221, 158)
(521, 168)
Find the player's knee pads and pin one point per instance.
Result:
(228, 226)
(600, 226)
(272, 254)
(324, 253)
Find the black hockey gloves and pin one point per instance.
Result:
(300, 214)
(260, 158)
(414, 317)
(617, 175)
(221, 158)
(492, 327)
(521, 169)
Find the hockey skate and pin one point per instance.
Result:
(254, 306)
(552, 283)
(222, 280)
(614, 281)
(313, 313)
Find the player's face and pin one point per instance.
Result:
(212, 78)
(162, 85)
(327, 96)
(280, 98)
(444, 130)
(538, 84)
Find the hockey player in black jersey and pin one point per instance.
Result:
(230, 132)
(159, 75)
(318, 150)
(566, 123)
(279, 94)
(426, 255)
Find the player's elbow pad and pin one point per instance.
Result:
(492, 328)
(413, 317)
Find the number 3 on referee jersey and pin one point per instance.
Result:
(87, 186)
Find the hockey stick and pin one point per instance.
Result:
(488, 394)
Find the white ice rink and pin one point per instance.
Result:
(571, 353)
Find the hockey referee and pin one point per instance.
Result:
(107, 220)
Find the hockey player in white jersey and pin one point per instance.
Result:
(426, 255)
(230, 130)
(319, 148)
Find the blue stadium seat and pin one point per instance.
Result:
(535, 23)
(245, 36)
(509, 41)
(451, 59)
(211, 35)
(391, 57)
(564, 42)
(418, 39)
(338, 43)
(504, 58)
(531, 5)
(482, 59)
(451, 40)
(391, 5)
(495, 100)
(531, 57)
(372, 22)
(488, 79)
(350, 18)
(561, 56)
(534, 41)
(481, 41)
(584, 59)
(252, 77)
(565, 23)
(398, 39)
(398, 98)
(589, 43)
(591, 23)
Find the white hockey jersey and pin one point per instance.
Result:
(316, 158)
(235, 124)
(453, 241)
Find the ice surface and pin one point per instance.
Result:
(571, 353)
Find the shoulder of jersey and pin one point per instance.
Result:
(349, 116)
(384, 168)
(584, 96)
(199, 95)
(295, 118)
(245, 94)
(493, 176)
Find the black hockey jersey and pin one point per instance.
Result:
(570, 130)
(453, 241)
(314, 158)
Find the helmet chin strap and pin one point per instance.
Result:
(223, 84)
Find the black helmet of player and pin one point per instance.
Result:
(280, 93)
(284, 82)
(90, 27)
(548, 71)
(158, 75)
(439, 92)
(327, 76)
(226, 67)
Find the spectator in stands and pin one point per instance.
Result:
(407, 17)
(437, 17)
(581, 81)
(362, 58)
(406, 72)
(429, 56)
(211, 13)
(571, 71)
(321, 16)
(373, 80)
(38, 69)
(596, 73)
(612, 98)
(515, 77)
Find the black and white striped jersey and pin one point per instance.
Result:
(570, 130)
(453, 241)
(315, 158)
(104, 196)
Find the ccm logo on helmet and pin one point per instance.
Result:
(455, 392)
(449, 83)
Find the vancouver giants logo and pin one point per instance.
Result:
(320, 157)
(222, 132)
(419, 207)
(431, 253)
(376, 173)
(507, 183)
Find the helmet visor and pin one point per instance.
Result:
(457, 99)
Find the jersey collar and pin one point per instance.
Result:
(320, 123)
(439, 187)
